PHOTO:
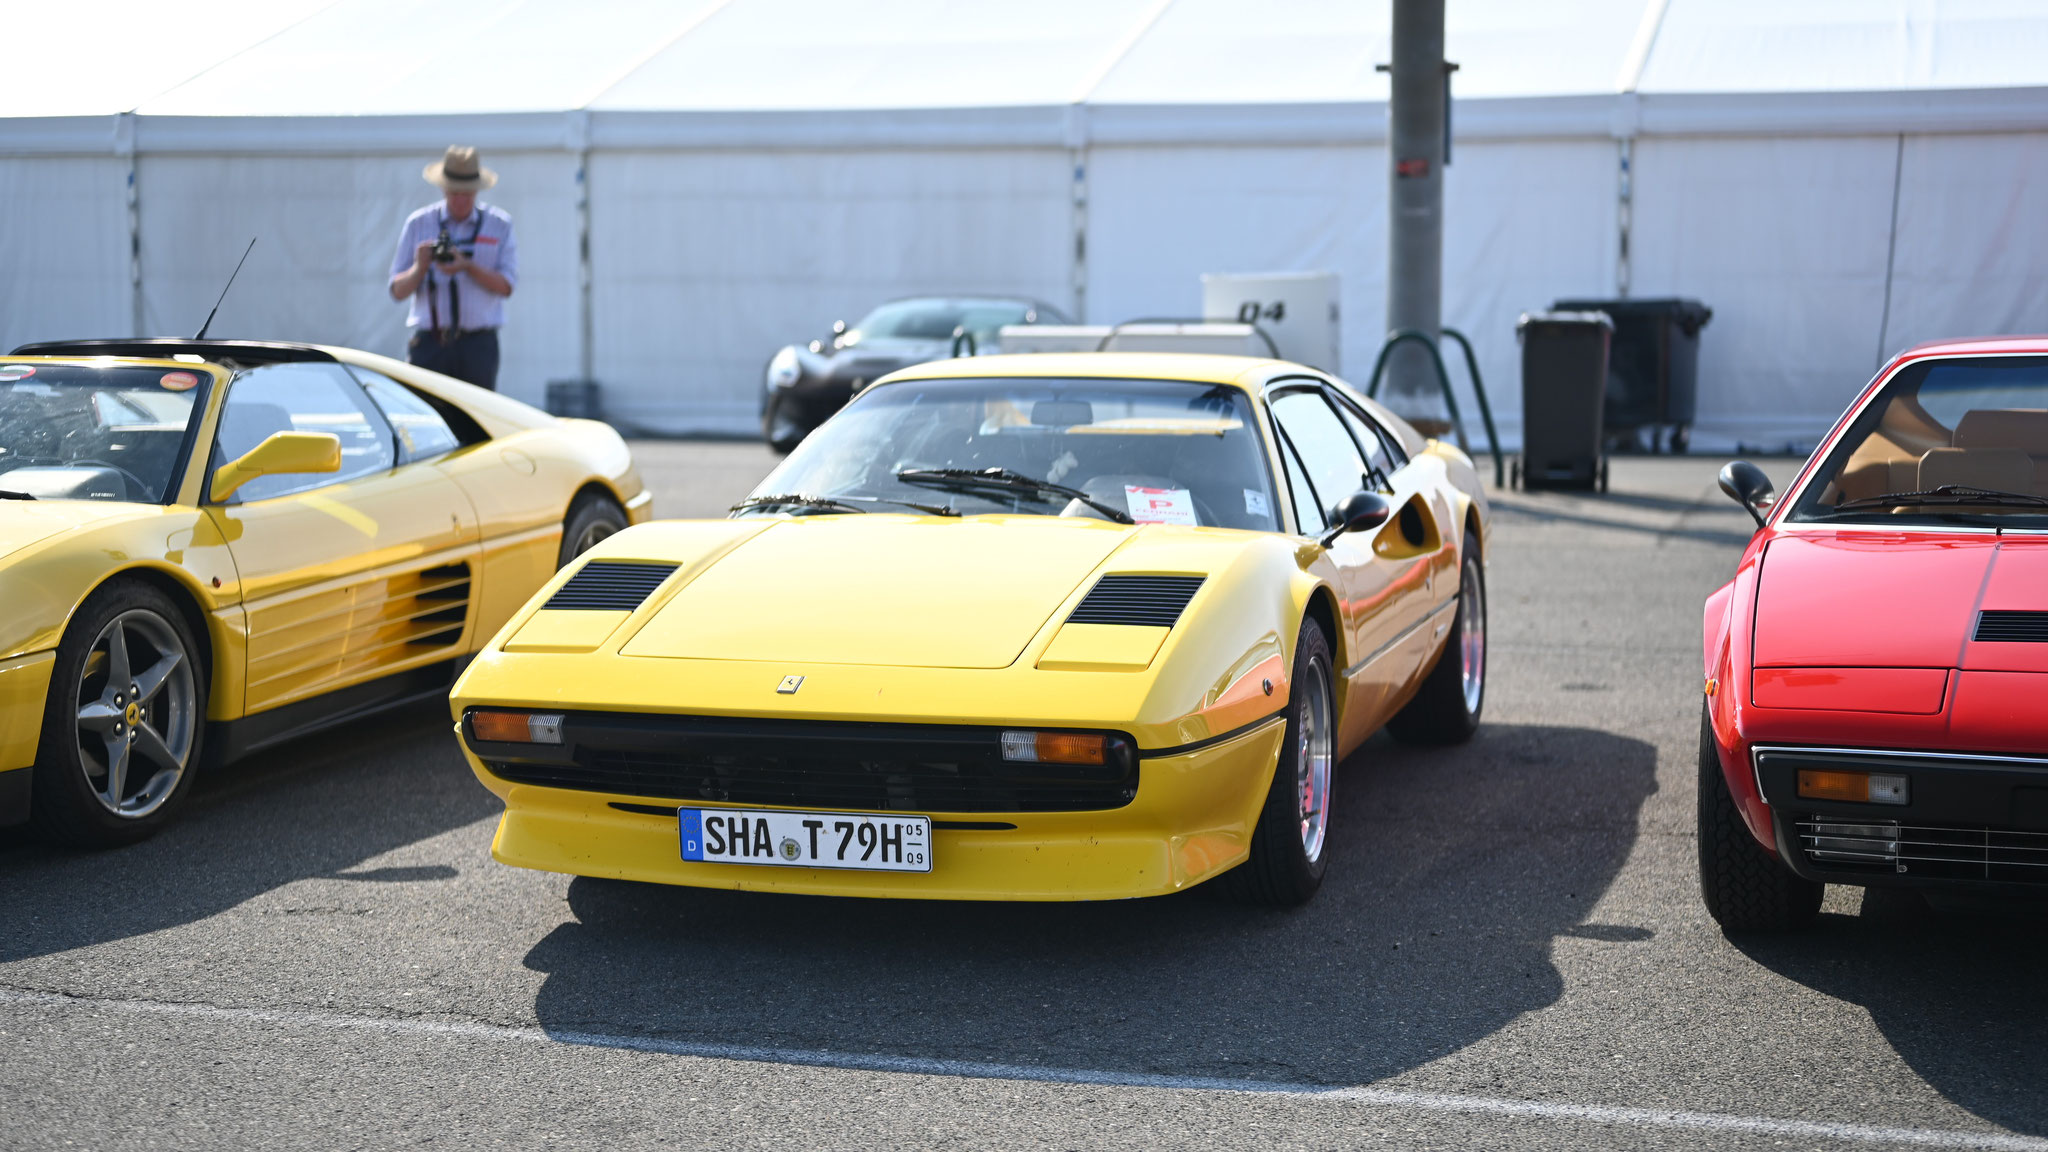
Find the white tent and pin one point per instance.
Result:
(698, 181)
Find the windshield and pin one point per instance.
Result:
(1155, 451)
(1946, 441)
(936, 319)
(95, 431)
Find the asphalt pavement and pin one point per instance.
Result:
(1509, 950)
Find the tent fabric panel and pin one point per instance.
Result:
(1847, 45)
(397, 57)
(1786, 239)
(1555, 237)
(64, 242)
(326, 229)
(1972, 227)
(708, 262)
(1158, 218)
(760, 54)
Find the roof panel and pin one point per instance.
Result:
(1848, 45)
(784, 54)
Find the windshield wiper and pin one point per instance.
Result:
(1006, 480)
(836, 503)
(1946, 494)
(9, 494)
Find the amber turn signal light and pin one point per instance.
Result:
(516, 727)
(1056, 747)
(1855, 787)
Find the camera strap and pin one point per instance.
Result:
(454, 329)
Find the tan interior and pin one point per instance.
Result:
(2001, 448)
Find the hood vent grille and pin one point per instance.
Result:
(2013, 627)
(609, 586)
(1145, 601)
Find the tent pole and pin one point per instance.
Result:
(124, 147)
(1416, 117)
(1077, 160)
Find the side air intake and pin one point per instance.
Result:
(1147, 601)
(2013, 627)
(610, 586)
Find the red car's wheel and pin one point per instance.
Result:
(1745, 888)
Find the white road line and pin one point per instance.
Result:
(1621, 1116)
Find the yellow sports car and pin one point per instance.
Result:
(209, 546)
(1052, 627)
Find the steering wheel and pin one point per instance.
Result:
(135, 483)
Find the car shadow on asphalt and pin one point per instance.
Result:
(317, 806)
(1957, 991)
(1451, 873)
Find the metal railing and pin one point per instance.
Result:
(1443, 378)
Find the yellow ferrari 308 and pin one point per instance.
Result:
(1048, 627)
(210, 546)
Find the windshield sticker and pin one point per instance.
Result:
(179, 381)
(13, 372)
(1255, 503)
(1161, 505)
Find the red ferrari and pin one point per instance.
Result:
(1877, 672)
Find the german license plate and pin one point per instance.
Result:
(862, 840)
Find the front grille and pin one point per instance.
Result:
(1926, 850)
(812, 764)
(2013, 627)
(1150, 601)
(609, 585)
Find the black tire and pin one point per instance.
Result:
(1745, 888)
(1443, 710)
(780, 431)
(160, 733)
(1283, 871)
(591, 518)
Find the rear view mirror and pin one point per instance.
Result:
(282, 452)
(1357, 513)
(1746, 484)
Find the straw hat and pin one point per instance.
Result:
(458, 171)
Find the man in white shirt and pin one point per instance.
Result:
(457, 262)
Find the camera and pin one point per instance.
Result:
(444, 248)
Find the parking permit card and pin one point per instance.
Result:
(1160, 505)
(1255, 503)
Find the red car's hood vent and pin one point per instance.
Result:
(2012, 627)
(1147, 601)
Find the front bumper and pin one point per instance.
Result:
(1970, 819)
(1189, 818)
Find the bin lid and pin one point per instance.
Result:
(1688, 313)
(1562, 319)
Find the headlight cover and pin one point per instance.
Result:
(785, 368)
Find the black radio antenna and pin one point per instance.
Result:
(224, 289)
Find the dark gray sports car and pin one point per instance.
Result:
(804, 385)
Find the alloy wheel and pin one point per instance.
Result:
(136, 714)
(1472, 629)
(1314, 760)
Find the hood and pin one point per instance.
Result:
(26, 522)
(1884, 600)
(882, 589)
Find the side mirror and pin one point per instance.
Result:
(283, 452)
(1746, 484)
(1356, 513)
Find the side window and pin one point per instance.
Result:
(305, 397)
(1308, 518)
(422, 433)
(1380, 453)
(1327, 453)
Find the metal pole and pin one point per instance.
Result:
(1415, 197)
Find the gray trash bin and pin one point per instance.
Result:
(576, 398)
(1564, 383)
(1653, 367)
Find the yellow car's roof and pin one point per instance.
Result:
(1237, 371)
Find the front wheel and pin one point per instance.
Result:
(1446, 708)
(122, 725)
(1290, 840)
(591, 520)
(1744, 887)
